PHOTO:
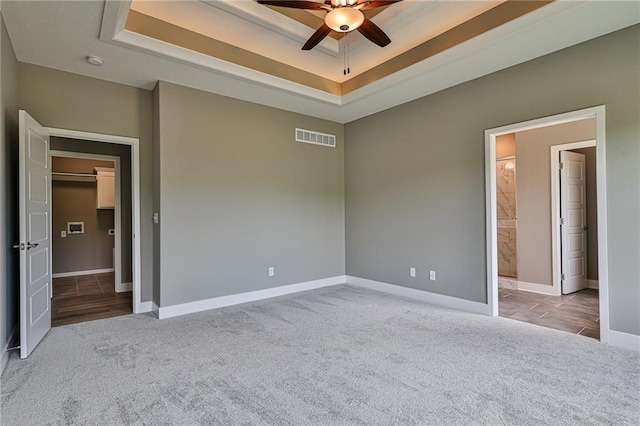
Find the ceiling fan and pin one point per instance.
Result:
(342, 16)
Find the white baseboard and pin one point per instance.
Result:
(425, 296)
(144, 307)
(624, 340)
(252, 296)
(4, 356)
(592, 284)
(537, 288)
(122, 287)
(77, 273)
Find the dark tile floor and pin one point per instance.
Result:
(577, 313)
(83, 285)
(87, 298)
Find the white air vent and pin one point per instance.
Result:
(316, 138)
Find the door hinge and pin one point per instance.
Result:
(561, 165)
(561, 277)
(561, 221)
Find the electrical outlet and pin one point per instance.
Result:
(63, 234)
(412, 272)
(272, 271)
(432, 275)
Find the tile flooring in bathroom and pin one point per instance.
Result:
(87, 298)
(577, 313)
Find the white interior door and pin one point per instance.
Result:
(573, 222)
(34, 246)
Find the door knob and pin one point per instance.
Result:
(23, 246)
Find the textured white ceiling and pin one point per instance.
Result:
(59, 34)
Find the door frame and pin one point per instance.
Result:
(597, 112)
(134, 143)
(556, 236)
(117, 260)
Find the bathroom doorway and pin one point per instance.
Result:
(532, 259)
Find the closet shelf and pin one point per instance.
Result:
(73, 177)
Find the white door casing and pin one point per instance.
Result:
(573, 222)
(34, 205)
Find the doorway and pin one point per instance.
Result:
(533, 293)
(86, 240)
(34, 224)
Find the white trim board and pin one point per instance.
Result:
(599, 113)
(78, 273)
(544, 288)
(536, 288)
(146, 307)
(4, 356)
(134, 143)
(424, 296)
(252, 296)
(122, 287)
(624, 340)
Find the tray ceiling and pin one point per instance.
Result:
(253, 52)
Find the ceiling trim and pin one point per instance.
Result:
(155, 28)
(556, 26)
(487, 21)
(305, 18)
(169, 33)
(284, 23)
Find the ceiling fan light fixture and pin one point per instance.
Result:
(344, 19)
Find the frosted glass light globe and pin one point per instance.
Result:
(344, 19)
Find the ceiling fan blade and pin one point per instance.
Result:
(374, 33)
(373, 4)
(295, 4)
(317, 37)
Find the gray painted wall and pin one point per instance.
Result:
(243, 197)
(533, 192)
(415, 173)
(74, 201)
(69, 101)
(9, 274)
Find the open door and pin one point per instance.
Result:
(573, 222)
(35, 206)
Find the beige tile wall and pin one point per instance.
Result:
(506, 209)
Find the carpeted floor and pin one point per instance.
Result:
(338, 355)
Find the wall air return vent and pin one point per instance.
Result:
(316, 138)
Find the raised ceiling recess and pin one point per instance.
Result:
(250, 51)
